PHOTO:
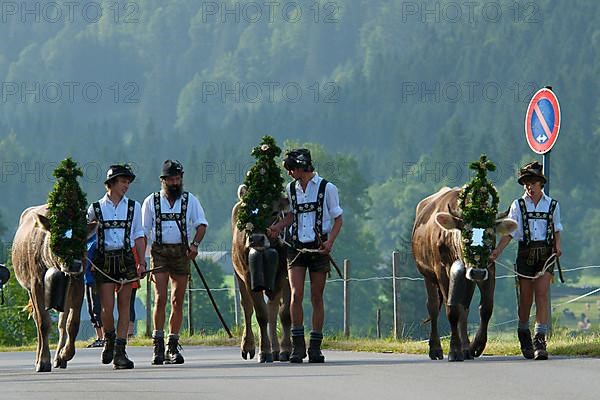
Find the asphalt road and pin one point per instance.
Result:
(220, 373)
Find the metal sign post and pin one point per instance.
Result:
(542, 124)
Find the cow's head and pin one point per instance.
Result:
(480, 236)
(76, 266)
(259, 240)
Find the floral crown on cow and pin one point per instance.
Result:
(478, 202)
(264, 185)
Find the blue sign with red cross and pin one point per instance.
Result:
(542, 121)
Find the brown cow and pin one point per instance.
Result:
(31, 258)
(278, 297)
(436, 246)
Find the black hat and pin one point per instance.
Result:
(298, 158)
(532, 170)
(119, 170)
(171, 168)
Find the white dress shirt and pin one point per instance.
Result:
(331, 207)
(537, 227)
(170, 231)
(114, 238)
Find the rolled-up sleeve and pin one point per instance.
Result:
(333, 201)
(91, 215)
(515, 213)
(556, 218)
(137, 230)
(196, 216)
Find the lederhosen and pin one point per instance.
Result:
(118, 264)
(313, 261)
(171, 257)
(532, 254)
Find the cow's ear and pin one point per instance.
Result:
(91, 229)
(505, 226)
(42, 221)
(448, 221)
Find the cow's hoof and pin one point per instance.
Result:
(467, 354)
(456, 356)
(60, 363)
(264, 357)
(436, 354)
(284, 356)
(275, 356)
(477, 348)
(246, 354)
(43, 367)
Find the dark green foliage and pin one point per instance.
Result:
(479, 212)
(264, 187)
(66, 211)
(16, 324)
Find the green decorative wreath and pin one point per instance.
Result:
(67, 213)
(264, 185)
(479, 212)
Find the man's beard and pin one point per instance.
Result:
(173, 190)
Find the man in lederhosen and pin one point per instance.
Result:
(119, 230)
(315, 211)
(538, 232)
(172, 218)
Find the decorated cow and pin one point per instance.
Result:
(47, 256)
(453, 235)
(260, 262)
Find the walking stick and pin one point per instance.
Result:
(210, 296)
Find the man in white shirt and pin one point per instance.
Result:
(119, 230)
(538, 232)
(316, 211)
(171, 218)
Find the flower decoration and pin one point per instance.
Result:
(264, 184)
(478, 202)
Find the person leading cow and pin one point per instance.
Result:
(315, 211)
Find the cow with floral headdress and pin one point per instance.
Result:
(452, 238)
(260, 262)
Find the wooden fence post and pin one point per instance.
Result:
(190, 298)
(346, 298)
(395, 265)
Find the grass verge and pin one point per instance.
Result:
(561, 343)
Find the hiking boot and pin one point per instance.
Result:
(109, 347)
(314, 351)
(539, 343)
(526, 344)
(172, 355)
(121, 361)
(158, 356)
(298, 349)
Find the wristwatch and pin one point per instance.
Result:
(197, 244)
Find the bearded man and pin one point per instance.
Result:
(171, 218)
